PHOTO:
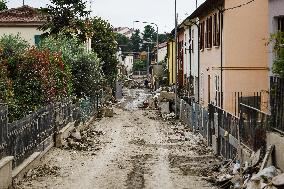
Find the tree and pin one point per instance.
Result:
(104, 44)
(3, 5)
(123, 42)
(139, 65)
(63, 16)
(85, 66)
(164, 37)
(149, 35)
(136, 41)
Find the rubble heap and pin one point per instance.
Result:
(86, 140)
(42, 171)
(258, 174)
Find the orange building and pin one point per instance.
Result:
(233, 54)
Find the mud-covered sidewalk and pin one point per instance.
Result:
(134, 149)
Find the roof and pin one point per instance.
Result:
(23, 16)
(162, 45)
(202, 9)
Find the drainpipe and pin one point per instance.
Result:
(221, 44)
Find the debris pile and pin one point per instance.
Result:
(258, 174)
(132, 84)
(168, 117)
(42, 171)
(86, 140)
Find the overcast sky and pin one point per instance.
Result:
(124, 12)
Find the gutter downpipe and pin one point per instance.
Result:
(221, 42)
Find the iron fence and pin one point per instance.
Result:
(23, 137)
(224, 126)
(277, 103)
(196, 117)
(253, 127)
(26, 134)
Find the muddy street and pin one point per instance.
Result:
(134, 149)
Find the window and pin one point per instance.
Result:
(37, 39)
(201, 36)
(208, 33)
(185, 45)
(281, 24)
(192, 41)
(216, 30)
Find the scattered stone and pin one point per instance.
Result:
(87, 140)
(76, 134)
(278, 180)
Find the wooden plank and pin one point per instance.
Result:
(267, 156)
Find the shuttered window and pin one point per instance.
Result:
(37, 39)
(216, 30)
(209, 32)
(201, 36)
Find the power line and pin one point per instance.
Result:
(239, 6)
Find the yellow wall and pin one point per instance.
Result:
(245, 55)
(172, 62)
(246, 31)
(27, 33)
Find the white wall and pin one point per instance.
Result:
(27, 33)
(162, 53)
(194, 53)
(128, 63)
(186, 52)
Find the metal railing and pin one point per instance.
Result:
(277, 103)
(23, 137)
(253, 127)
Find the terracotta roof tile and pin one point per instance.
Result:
(24, 15)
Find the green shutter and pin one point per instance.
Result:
(37, 39)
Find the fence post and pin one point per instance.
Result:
(215, 142)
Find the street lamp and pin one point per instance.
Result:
(157, 36)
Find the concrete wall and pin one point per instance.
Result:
(277, 140)
(6, 172)
(27, 33)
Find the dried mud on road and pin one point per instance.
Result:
(132, 151)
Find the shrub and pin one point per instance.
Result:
(41, 78)
(278, 63)
(85, 66)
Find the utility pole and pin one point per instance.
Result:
(148, 61)
(196, 4)
(176, 98)
(23, 2)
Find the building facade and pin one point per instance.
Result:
(24, 21)
(230, 58)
